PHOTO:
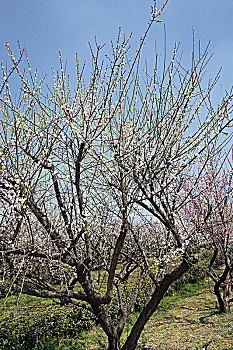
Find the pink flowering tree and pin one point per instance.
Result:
(209, 210)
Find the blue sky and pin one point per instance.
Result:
(45, 26)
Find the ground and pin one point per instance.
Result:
(189, 325)
(185, 320)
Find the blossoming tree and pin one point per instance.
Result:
(210, 210)
(91, 180)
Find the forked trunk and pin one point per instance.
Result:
(222, 282)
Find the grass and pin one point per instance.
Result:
(189, 324)
(185, 320)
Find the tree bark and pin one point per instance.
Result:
(114, 343)
(152, 305)
(223, 300)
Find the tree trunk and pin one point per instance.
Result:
(113, 343)
(223, 307)
(223, 300)
(223, 282)
(152, 305)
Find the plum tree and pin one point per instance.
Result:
(209, 210)
(91, 181)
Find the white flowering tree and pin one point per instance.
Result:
(91, 180)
